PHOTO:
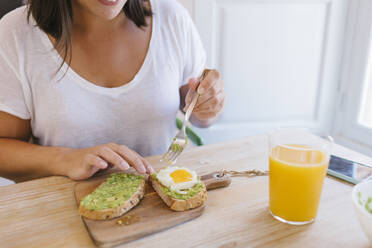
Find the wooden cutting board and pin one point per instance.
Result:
(151, 215)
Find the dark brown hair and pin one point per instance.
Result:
(55, 18)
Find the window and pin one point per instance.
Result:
(353, 122)
(365, 114)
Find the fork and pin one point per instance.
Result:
(180, 141)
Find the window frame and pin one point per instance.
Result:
(355, 63)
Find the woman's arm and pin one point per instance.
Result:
(210, 102)
(22, 161)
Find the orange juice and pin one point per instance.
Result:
(296, 179)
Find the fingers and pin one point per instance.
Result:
(107, 153)
(212, 97)
(102, 157)
(214, 103)
(216, 89)
(120, 156)
(210, 109)
(208, 88)
(92, 164)
(212, 78)
(132, 158)
(193, 84)
(206, 115)
(96, 161)
(148, 166)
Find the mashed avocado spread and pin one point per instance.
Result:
(189, 193)
(176, 147)
(118, 188)
(366, 204)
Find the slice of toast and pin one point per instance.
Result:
(123, 207)
(180, 204)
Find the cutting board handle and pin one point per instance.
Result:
(214, 181)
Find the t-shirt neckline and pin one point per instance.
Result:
(65, 70)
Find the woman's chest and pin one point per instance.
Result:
(110, 60)
(82, 107)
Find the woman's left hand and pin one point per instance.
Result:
(211, 100)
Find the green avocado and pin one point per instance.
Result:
(176, 147)
(117, 189)
(189, 193)
(368, 205)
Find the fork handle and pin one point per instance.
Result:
(193, 101)
(190, 108)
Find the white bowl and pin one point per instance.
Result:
(365, 217)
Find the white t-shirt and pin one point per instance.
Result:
(69, 111)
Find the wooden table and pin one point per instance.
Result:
(43, 212)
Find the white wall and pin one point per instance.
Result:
(280, 60)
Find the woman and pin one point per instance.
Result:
(97, 84)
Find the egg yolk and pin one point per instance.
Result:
(181, 176)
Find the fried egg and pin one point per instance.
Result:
(177, 179)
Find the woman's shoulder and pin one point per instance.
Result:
(170, 5)
(171, 9)
(15, 25)
(18, 38)
(14, 20)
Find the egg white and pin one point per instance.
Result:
(165, 179)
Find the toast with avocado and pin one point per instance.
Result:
(114, 197)
(192, 198)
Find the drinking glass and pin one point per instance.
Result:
(298, 162)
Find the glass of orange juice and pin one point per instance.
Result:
(298, 162)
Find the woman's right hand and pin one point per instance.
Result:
(79, 164)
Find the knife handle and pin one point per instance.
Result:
(214, 181)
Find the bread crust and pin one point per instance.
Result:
(110, 213)
(179, 204)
